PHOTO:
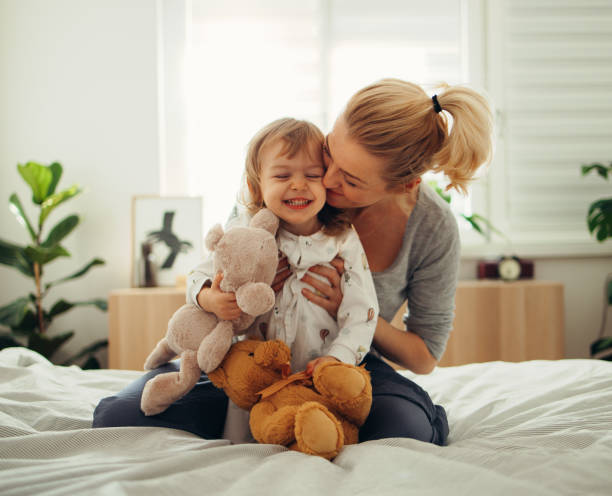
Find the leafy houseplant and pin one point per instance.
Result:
(599, 222)
(26, 320)
(479, 223)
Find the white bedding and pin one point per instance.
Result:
(529, 428)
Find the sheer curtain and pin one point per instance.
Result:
(239, 64)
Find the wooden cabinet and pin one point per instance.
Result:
(509, 321)
(138, 318)
(494, 320)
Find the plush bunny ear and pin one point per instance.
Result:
(265, 219)
(214, 236)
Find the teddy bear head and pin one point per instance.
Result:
(252, 366)
(248, 258)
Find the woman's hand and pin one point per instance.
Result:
(327, 295)
(282, 274)
(222, 304)
(312, 366)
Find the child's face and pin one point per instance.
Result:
(293, 187)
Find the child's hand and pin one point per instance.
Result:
(222, 304)
(312, 366)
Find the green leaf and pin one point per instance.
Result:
(473, 222)
(601, 169)
(610, 293)
(17, 209)
(48, 345)
(61, 230)
(599, 219)
(28, 325)
(79, 273)
(44, 255)
(56, 199)
(12, 315)
(14, 256)
(88, 350)
(62, 306)
(39, 178)
(7, 341)
(434, 184)
(56, 172)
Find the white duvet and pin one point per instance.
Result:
(539, 427)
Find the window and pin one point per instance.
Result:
(243, 63)
(549, 74)
(231, 66)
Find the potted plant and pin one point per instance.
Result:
(26, 321)
(599, 222)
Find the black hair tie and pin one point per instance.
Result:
(436, 104)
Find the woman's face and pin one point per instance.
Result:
(352, 176)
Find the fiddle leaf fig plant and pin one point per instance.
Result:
(26, 320)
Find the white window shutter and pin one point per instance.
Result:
(551, 77)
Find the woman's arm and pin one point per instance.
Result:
(403, 347)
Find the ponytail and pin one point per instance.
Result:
(398, 121)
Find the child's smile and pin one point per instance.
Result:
(292, 187)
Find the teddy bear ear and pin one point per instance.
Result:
(265, 219)
(213, 237)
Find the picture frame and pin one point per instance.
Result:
(166, 239)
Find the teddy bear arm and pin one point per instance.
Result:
(272, 426)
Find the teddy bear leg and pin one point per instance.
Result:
(347, 387)
(318, 431)
(351, 432)
(272, 426)
(162, 353)
(213, 347)
(164, 389)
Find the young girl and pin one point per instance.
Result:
(284, 172)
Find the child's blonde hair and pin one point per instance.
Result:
(295, 135)
(397, 120)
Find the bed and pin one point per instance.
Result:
(538, 428)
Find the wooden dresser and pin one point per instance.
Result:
(494, 320)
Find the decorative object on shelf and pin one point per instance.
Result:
(172, 227)
(148, 266)
(26, 318)
(599, 222)
(492, 269)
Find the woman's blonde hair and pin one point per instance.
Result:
(398, 121)
(296, 136)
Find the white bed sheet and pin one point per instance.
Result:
(540, 427)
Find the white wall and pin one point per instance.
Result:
(78, 85)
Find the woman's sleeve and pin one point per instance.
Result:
(358, 311)
(203, 273)
(431, 288)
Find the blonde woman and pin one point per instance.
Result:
(391, 133)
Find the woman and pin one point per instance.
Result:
(389, 134)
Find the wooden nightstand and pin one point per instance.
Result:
(509, 321)
(138, 319)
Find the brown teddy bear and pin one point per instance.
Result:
(248, 258)
(315, 415)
